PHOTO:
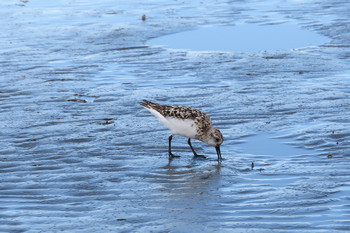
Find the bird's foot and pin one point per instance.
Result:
(199, 156)
(171, 155)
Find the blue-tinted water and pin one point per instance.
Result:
(242, 38)
(265, 144)
(79, 154)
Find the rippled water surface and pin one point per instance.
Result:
(79, 154)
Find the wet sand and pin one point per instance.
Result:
(79, 154)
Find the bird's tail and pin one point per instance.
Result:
(150, 105)
(146, 103)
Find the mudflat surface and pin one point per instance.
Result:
(79, 154)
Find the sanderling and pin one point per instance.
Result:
(187, 122)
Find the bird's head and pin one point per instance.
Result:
(214, 138)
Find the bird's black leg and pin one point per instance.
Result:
(195, 154)
(171, 155)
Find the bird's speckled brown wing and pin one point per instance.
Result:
(200, 118)
(180, 112)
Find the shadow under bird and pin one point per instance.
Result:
(187, 122)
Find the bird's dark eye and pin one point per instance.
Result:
(217, 139)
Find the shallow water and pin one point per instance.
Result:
(265, 144)
(79, 154)
(241, 38)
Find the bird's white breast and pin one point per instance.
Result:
(182, 127)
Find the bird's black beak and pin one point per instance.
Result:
(218, 152)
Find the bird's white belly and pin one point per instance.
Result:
(182, 127)
(185, 128)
